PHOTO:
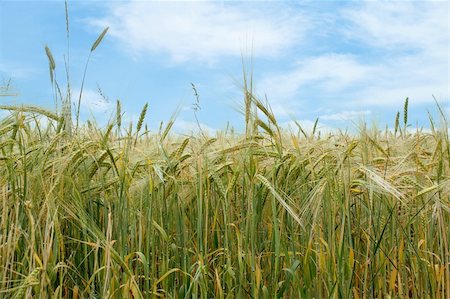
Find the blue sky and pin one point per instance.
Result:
(339, 61)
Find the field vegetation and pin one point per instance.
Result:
(123, 212)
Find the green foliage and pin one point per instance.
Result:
(267, 215)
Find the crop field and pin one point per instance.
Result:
(121, 212)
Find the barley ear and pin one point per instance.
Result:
(118, 114)
(140, 121)
(99, 39)
(405, 113)
(66, 6)
(315, 126)
(397, 120)
(50, 58)
(141, 118)
(51, 63)
(30, 280)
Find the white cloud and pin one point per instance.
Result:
(330, 72)
(346, 115)
(92, 101)
(191, 127)
(415, 38)
(385, 52)
(203, 31)
(407, 56)
(401, 26)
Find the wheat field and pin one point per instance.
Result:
(121, 212)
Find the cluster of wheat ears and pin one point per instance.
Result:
(122, 212)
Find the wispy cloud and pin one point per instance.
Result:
(346, 115)
(414, 40)
(393, 51)
(400, 26)
(329, 72)
(204, 31)
(92, 101)
(188, 127)
(383, 52)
